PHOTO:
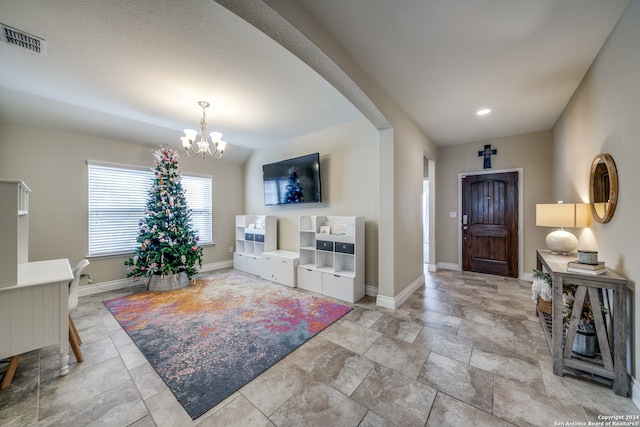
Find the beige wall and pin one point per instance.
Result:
(602, 117)
(53, 164)
(532, 152)
(401, 142)
(349, 173)
(411, 148)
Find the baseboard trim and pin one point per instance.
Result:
(393, 303)
(527, 276)
(386, 302)
(111, 285)
(635, 392)
(371, 291)
(215, 266)
(124, 283)
(448, 266)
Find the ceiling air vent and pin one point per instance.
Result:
(26, 41)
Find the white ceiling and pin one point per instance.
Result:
(134, 70)
(442, 60)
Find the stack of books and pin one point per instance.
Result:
(578, 267)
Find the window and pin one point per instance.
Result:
(198, 192)
(118, 200)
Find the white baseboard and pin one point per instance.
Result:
(111, 285)
(371, 291)
(215, 266)
(448, 266)
(432, 268)
(527, 276)
(386, 302)
(635, 392)
(393, 303)
(123, 283)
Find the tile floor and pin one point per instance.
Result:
(465, 349)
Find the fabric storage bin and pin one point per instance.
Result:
(324, 245)
(345, 248)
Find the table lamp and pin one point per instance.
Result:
(562, 215)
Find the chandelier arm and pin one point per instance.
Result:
(217, 154)
(190, 151)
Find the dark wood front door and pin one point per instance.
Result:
(490, 223)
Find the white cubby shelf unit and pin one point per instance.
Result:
(255, 234)
(14, 227)
(332, 256)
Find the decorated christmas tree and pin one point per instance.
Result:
(168, 243)
(294, 189)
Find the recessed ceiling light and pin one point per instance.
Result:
(483, 112)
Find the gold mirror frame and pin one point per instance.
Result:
(603, 188)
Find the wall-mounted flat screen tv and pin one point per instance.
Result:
(292, 181)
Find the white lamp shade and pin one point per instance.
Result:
(215, 137)
(583, 215)
(221, 145)
(185, 142)
(563, 215)
(555, 215)
(203, 146)
(191, 134)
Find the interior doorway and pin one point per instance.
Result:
(428, 215)
(425, 220)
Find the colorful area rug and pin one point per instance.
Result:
(208, 340)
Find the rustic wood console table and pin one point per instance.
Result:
(607, 365)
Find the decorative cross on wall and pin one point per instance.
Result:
(487, 153)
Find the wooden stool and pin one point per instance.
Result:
(11, 370)
(75, 341)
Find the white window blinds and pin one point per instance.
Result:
(117, 203)
(197, 189)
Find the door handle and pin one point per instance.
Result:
(465, 228)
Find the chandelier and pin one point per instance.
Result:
(203, 146)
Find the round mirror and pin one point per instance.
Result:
(603, 188)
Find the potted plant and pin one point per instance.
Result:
(169, 247)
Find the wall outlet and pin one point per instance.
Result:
(452, 214)
(230, 249)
